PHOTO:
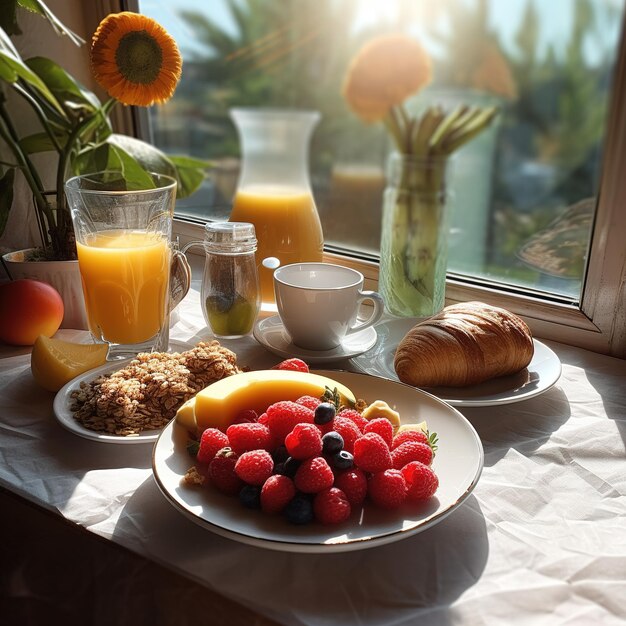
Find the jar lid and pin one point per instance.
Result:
(230, 236)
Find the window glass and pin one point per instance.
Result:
(524, 191)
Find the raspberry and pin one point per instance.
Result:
(387, 489)
(371, 453)
(411, 451)
(331, 506)
(211, 441)
(382, 426)
(262, 419)
(421, 480)
(292, 364)
(314, 475)
(222, 472)
(354, 416)
(245, 416)
(409, 435)
(283, 416)
(309, 401)
(276, 493)
(249, 436)
(348, 430)
(353, 483)
(254, 467)
(304, 441)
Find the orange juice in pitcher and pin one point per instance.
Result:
(274, 192)
(287, 227)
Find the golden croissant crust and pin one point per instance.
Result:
(464, 344)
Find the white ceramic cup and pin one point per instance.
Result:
(318, 303)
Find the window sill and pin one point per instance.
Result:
(547, 320)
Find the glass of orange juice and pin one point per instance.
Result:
(123, 240)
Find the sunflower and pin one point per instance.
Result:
(384, 73)
(135, 59)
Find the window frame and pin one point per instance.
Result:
(598, 323)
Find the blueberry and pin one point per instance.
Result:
(299, 510)
(332, 442)
(250, 496)
(324, 413)
(291, 466)
(342, 460)
(280, 455)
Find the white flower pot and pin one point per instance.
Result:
(64, 276)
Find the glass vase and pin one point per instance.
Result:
(274, 192)
(414, 236)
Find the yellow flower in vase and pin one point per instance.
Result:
(413, 259)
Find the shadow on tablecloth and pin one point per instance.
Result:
(411, 581)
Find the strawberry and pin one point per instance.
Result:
(309, 401)
(353, 483)
(331, 506)
(371, 453)
(387, 489)
(348, 430)
(211, 441)
(276, 493)
(297, 365)
(409, 435)
(254, 467)
(304, 441)
(422, 482)
(355, 416)
(222, 472)
(283, 416)
(314, 475)
(249, 436)
(382, 426)
(411, 451)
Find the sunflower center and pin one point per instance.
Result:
(139, 57)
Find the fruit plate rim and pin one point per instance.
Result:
(459, 463)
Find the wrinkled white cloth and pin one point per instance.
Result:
(542, 539)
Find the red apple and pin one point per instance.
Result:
(28, 308)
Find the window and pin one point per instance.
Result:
(527, 191)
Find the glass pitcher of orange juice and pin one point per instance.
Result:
(274, 192)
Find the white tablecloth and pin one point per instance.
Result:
(542, 539)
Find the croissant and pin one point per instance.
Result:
(465, 344)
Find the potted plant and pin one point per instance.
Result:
(137, 63)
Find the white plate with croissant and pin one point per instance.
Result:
(470, 354)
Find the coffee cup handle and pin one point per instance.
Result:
(377, 313)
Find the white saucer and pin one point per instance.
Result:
(271, 334)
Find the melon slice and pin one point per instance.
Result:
(219, 404)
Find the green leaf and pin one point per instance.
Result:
(39, 142)
(8, 17)
(150, 158)
(6, 197)
(112, 158)
(63, 85)
(190, 173)
(7, 73)
(36, 6)
(25, 73)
